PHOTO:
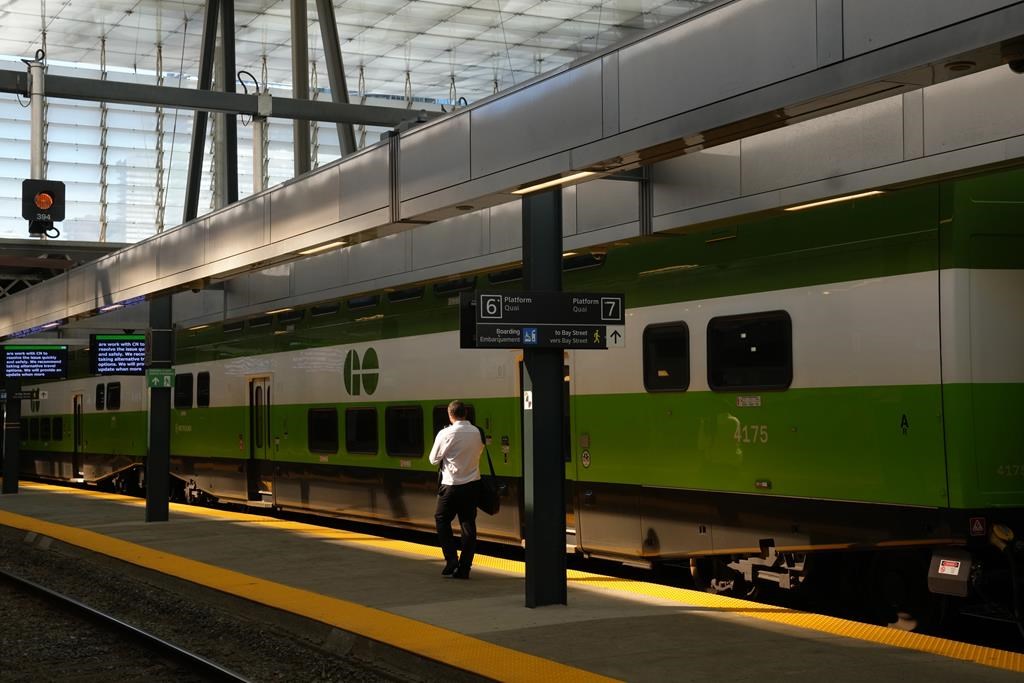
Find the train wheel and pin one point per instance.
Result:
(713, 575)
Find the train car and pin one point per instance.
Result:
(834, 390)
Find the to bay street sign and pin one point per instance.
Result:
(160, 378)
(567, 320)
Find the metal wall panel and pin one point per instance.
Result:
(435, 156)
(870, 24)
(384, 256)
(137, 264)
(107, 280)
(604, 203)
(830, 31)
(236, 293)
(507, 226)
(49, 299)
(569, 210)
(82, 286)
(712, 175)
(270, 284)
(913, 125)
(299, 207)
(548, 116)
(454, 239)
(852, 140)
(610, 94)
(238, 229)
(365, 185)
(694, 63)
(320, 272)
(968, 111)
(182, 248)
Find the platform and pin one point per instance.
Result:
(391, 592)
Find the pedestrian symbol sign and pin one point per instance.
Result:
(160, 378)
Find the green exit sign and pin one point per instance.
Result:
(160, 378)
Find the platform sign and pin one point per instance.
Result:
(565, 320)
(35, 361)
(160, 378)
(21, 395)
(117, 354)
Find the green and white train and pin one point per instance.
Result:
(838, 383)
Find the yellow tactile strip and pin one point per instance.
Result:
(428, 641)
(1000, 659)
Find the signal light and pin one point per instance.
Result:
(42, 204)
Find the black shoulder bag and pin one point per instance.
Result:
(489, 499)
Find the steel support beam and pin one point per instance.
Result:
(90, 90)
(12, 438)
(195, 159)
(227, 28)
(158, 459)
(543, 413)
(300, 83)
(335, 70)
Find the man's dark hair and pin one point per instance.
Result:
(457, 409)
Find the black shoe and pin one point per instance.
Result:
(449, 569)
(461, 573)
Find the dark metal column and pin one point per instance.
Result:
(543, 463)
(158, 458)
(227, 29)
(300, 83)
(195, 159)
(335, 69)
(12, 435)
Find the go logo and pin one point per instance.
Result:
(362, 375)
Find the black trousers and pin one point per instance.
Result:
(457, 501)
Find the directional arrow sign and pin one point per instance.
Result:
(566, 320)
(160, 378)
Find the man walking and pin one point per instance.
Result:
(457, 450)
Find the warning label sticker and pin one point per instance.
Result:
(950, 567)
(977, 526)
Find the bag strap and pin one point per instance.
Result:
(489, 463)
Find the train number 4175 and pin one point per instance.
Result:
(751, 433)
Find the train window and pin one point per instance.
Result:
(290, 316)
(580, 261)
(461, 284)
(44, 429)
(33, 429)
(260, 321)
(363, 301)
(667, 357)
(325, 309)
(58, 429)
(441, 416)
(403, 430)
(361, 430)
(232, 327)
(113, 396)
(183, 391)
(750, 352)
(203, 390)
(508, 275)
(101, 396)
(408, 294)
(322, 430)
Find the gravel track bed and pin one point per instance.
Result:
(40, 642)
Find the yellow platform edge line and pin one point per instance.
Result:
(426, 640)
(1000, 659)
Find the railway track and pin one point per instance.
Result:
(167, 656)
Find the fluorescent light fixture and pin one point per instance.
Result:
(322, 247)
(556, 181)
(834, 200)
(111, 307)
(279, 310)
(197, 327)
(49, 326)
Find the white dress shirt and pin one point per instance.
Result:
(459, 446)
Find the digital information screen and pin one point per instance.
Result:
(117, 354)
(36, 361)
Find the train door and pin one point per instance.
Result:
(260, 442)
(77, 401)
(565, 448)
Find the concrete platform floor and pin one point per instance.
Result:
(392, 591)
